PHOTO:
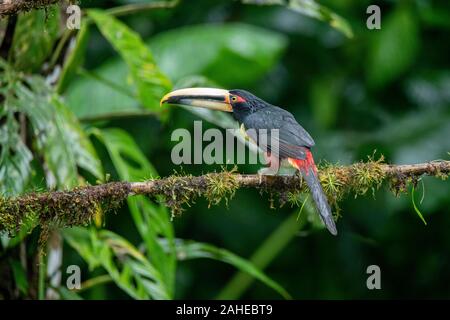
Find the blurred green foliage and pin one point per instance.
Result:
(355, 90)
(34, 37)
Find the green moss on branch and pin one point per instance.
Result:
(9, 7)
(60, 208)
(80, 205)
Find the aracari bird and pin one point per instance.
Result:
(293, 143)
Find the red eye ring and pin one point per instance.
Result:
(237, 99)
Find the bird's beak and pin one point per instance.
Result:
(210, 98)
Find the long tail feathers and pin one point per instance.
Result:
(309, 172)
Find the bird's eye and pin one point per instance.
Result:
(234, 98)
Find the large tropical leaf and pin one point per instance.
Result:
(34, 37)
(151, 83)
(59, 137)
(15, 157)
(89, 89)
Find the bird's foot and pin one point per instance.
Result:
(287, 171)
(266, 172)
(281, 172)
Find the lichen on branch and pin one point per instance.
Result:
(79, 206)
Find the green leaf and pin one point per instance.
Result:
(225, 50)
(151, 220)
(89, 90)
(35, 34)
(128, 159)
(311, 9)
(15, 158)
(60, 139)
(74, 58)
(76, 140)
(194, 250)
(415, 206)
(80, 240)
(275, 243)
(20, 276)
(127, 267)
(150, 82)
(394, 48)
(67, 294)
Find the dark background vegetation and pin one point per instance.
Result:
(386, 90)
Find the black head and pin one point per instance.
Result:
(245, 103)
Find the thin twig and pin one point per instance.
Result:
(141, 7)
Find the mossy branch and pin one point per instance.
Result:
(10, 7)
(79, 206)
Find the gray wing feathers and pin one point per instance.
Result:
(292, 138)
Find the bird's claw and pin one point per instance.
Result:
(266, 172)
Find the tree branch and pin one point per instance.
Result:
(78, 206)
(10, 7)
(268, 182)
